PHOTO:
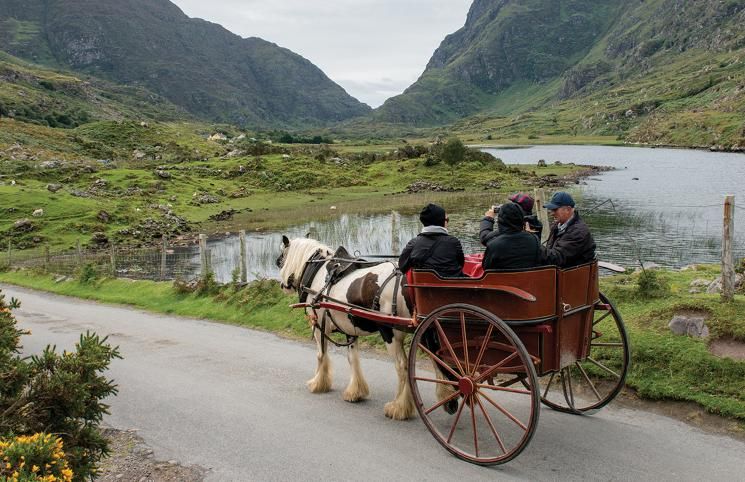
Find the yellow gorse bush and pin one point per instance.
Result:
(39, 457)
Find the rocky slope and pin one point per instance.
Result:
(195, 64)
(638, 69)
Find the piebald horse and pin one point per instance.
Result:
(361, 287)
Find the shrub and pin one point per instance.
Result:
(453, 152)
(56, 393)
(87, 274)
(39, 457)
(651, 285)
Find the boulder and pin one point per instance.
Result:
(54, 187)
(542, 163)
(99, 239)
(716, 285)
(23, 226)
(103, 216)
(162, 174)
(699, 285)
(138, 154)
(648, 265)
(691, 325)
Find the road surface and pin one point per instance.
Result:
(234, 401)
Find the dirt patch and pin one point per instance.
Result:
(132, 460)
(728, 348)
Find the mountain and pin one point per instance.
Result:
(195, 64)
(599, 66)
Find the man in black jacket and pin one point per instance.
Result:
(569, 242)
(513, 247)
(434, 248)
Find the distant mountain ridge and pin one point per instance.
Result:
(198, 65)
(514, 56)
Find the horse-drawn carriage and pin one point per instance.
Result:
(485, 352)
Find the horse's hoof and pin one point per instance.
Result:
(355, 396)
(316, 386)
(451, 407)
(396, 411)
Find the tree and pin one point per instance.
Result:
(453, 152)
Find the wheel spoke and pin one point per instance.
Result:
(592, 385)
(496, 367)
(487, 337)
(491, 426)
(567, 380)
(605, 315)
(600, 365)
(442, 402)
(445, 339)
(439, 361)
(473, 423)
(550, 381)
(504, 411)
(457, 418)
(437, 380)
(608, 344)
(464, 340)
(503, 389)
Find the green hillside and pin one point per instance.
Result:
(657, 71)
(197, 65)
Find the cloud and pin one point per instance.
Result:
(357, 43)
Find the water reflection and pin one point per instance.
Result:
(671, 214)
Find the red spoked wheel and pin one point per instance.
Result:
(474, 384)
(587, 386)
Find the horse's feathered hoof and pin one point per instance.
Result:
(316, 385)
(451, 407)
(356, 392)
(399, 411)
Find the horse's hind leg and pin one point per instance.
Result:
(357, 389)
(321, 382)
(402, 407)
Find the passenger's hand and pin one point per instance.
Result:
(528, 228)
(490, 214)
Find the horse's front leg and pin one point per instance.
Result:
(321, 382)
(357, 389)
(402, 407)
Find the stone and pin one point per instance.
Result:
(698, 285)
(78, 193)
(23, 226)
(54, 187)
(542, 163)
(162, 174)
(99, 239)
(694, 326)
(60, 279)
(50, 164)
(716, 285)
(648, 265)
(38, 213)
(103, 216)
(138, 154)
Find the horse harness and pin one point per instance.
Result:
(340, 264)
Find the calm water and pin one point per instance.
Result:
(671, 214)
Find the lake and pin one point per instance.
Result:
(658, 205)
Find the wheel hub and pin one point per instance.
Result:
(466, 386)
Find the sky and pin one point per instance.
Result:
(374, 49)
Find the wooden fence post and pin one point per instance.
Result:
(163, 254)
(395, 235)
(540, 203)
(79, 251)
(112, 256)
(203, 254)
(244, 261)
(10, 256)
(46, 258)
(728, 260)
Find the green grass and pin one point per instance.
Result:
(663, 366)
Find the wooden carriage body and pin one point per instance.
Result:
(549, 309)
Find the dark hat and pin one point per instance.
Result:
(432, 215)
(511, 216)
(560, 199)
(525, 201)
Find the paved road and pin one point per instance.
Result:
(234, 400)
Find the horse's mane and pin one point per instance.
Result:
(300, 251)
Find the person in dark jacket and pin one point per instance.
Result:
(513, 247)
(532, 224)
(569, 242)
(434, 248)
